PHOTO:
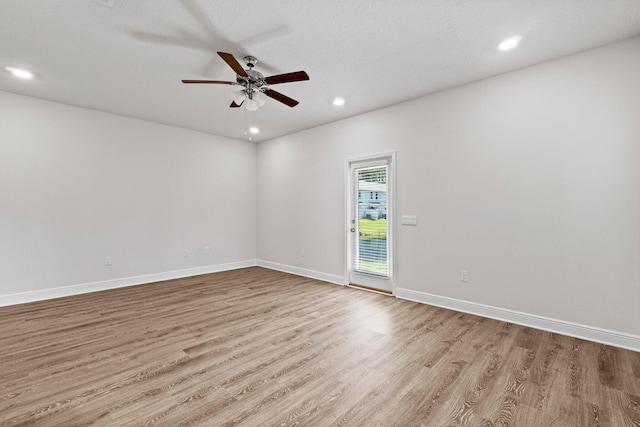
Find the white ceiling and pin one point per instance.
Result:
(128, 56)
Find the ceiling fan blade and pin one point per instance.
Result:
(210, 82)
(280, 97)
(234, 105)
(286, 78)
(233, 63)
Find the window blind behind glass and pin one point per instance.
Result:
(370, 248)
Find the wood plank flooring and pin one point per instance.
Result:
(256, 347)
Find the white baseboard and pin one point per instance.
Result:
(603, 336)
(65, 291)
(325, 277)
(590, 333)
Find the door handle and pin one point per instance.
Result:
(353, 230)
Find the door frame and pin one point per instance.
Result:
(390, 157)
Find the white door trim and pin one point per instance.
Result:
(391, 213)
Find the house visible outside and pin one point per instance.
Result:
(372, 200)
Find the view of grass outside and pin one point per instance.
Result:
(372, 228)
(373, 235)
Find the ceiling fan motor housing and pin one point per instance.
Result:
(254, 79)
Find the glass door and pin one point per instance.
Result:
(370, 261)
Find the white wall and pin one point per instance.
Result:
(530, 180)
(77, 185)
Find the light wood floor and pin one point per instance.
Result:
(255, 347)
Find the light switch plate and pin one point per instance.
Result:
(409, 220)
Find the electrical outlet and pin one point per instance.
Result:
(301, 252)
(186, 252)
(107, 261)
(464, 276)
(207, 250)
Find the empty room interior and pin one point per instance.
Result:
(276, 213)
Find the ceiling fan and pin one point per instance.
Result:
(254, 85)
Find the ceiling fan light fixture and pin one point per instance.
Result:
(251, 104)
(239, 96)
(260, 98)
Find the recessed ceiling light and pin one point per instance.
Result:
(338, 101)
(254, 130)
(509, 43)
(19, 72)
